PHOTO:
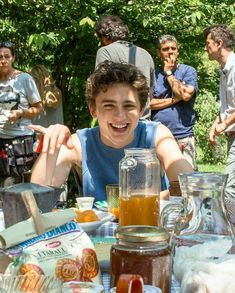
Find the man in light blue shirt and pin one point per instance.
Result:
(220, 40)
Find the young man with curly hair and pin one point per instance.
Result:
(116, 95)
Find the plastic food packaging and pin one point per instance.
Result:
(65, 252)
(30, 283)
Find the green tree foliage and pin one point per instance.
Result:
(60, 35)
(207, 108)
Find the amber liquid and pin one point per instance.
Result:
(114, 211)
(139, 210)
(154, 266)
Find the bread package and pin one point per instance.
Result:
(65, 252)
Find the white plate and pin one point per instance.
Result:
(92, 226)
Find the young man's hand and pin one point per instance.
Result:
(54, 137)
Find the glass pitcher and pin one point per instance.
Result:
(139, 183)
(202, 232)
(204, 201)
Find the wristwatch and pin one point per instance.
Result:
(168, 72)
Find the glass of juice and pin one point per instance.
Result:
(112, 194)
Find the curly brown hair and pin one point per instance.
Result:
(109, 73)
(112, 27)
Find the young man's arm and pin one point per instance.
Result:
(170, 155)
(57, 157)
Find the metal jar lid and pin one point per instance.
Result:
(140, 233)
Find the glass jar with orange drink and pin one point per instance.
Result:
(139, 188)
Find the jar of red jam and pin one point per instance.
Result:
(142, 250)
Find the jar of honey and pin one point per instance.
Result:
(142, 250)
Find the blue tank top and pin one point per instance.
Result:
(100, 163)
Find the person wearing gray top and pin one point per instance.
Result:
(19, 103)
(113, 35)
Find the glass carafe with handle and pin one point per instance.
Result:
(203, 234)
(139, 183)
(204, 208)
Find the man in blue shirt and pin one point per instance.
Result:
(174, 95)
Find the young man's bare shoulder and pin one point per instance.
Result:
(163, 131)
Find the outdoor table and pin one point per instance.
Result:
(107, 232)
(103, 238)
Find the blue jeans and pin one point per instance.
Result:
(230, 168)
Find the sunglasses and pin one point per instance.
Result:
(6, 44)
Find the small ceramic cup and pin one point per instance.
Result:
(84, 203)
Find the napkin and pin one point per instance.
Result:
(208, 279)
(206, 267)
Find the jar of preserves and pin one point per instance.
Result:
(142, 250)
(139, 186)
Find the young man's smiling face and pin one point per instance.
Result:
(118, 112)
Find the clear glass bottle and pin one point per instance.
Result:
(139, 182)
(142, 250)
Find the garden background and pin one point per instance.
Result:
(60, 35)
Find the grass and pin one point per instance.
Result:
(202, 167)
(210, 168)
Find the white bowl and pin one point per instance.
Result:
(92, 226)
